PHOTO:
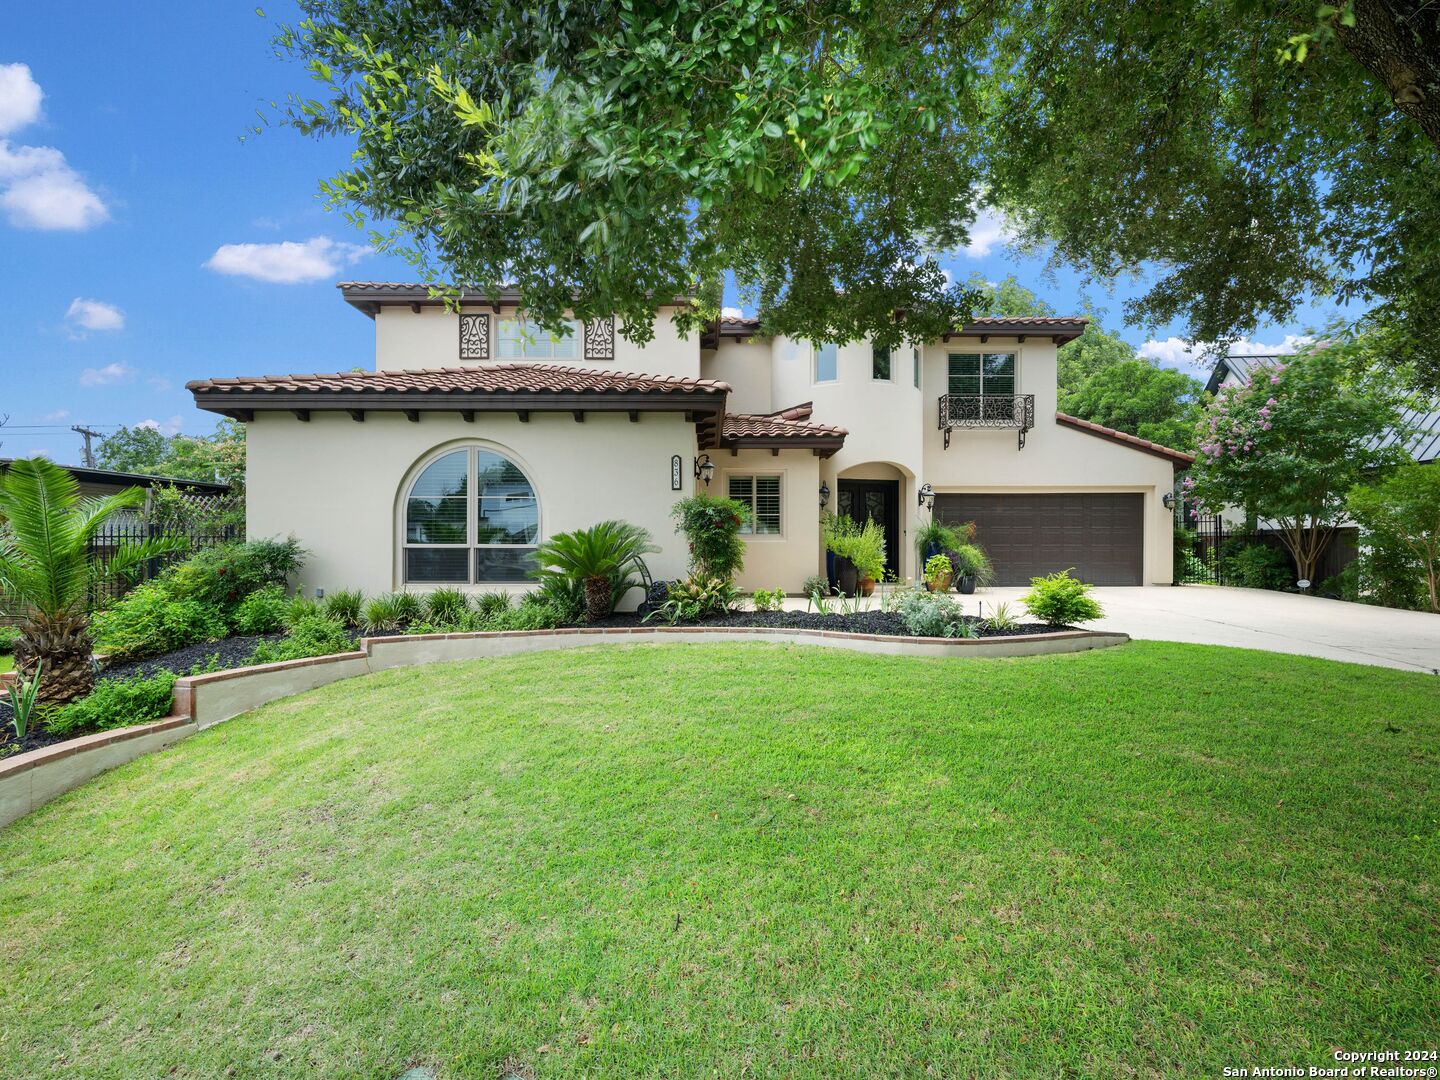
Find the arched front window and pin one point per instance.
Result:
(470, 516)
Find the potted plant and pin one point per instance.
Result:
(841, 534)
(932, 539)
(938, 573)
(867, 552)
(971, 566)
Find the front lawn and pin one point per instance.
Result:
(749, 860)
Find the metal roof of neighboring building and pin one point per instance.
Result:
(87, 475)
(1423, 424)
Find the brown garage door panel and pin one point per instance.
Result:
(1101, 535)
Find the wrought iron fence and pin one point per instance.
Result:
(118, 533)
(1205, 550)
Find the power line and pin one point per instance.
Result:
(87, 434)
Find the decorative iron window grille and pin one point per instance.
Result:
(474, 337)
(987, 411)
(600, 339)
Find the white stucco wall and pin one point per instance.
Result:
(746, 367)
(336, 484)
(783, 561)
(430, 338)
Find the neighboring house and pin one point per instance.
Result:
(476, 436)
(98, 483)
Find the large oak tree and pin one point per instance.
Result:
(608, 156)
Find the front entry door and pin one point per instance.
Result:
(861, 500)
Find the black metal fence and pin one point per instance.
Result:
(118, 534)
(1205, 551)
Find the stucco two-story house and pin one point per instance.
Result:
(477, 435)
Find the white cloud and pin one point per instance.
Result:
(1198, 358)
(107, 375)
(989, 230)
(286, 263)
(95, 314)
(38, 188)
(58, 414)
(732, 313)
(169, 427)
(20, 97)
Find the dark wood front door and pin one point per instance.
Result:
(861, 500)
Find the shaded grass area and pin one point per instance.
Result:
(1154, 860)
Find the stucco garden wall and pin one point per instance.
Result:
(335, 484)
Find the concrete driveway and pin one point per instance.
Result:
(1255, 619)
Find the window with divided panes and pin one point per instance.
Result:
(760, 492)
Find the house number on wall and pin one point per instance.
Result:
(675, 474)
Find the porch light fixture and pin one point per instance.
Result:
(1168, 499)
(704, 469)
(824, 494)
(927, 497)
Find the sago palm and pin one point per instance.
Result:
(604, 558)
(47, 574)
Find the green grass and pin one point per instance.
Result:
(7, 662)
(749, 860)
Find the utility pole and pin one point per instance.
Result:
(87, 435)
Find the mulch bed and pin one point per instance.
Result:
(861, 622)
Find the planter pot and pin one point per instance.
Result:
(940, 584)
(867, 586)
(846, 579)
(966, 584)
(830, 569)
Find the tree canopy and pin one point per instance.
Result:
(219, 456)
(608, 157)
(1136, 396)
(1290, 445)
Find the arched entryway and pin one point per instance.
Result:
(877, 490)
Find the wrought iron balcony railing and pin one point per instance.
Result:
(987, 411)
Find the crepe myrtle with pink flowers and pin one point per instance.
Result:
(1287, 445)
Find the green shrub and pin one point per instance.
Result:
(344, 606)
(423, 627)
(390, 614)
(1002, 618)
(1401, 513)
(224, 575)
(1257, 566)
(300, 607)
(815, 583)
(932, 614)
(314, 635)
(490, 604)
(151, 620)
(116, 703)
(696, 598)
(768, 599)
(971, 560)
(561, 593)
(8, 636)
(711, 527)
(534, 612)
(262, 612)
(445, 607)
(1061, 600)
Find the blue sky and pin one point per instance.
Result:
(143, 243)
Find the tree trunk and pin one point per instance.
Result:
(1398, 42)
(67, 669)
(597, 599)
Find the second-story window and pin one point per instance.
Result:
(982, 374)
(880, 363)
(827, 363)
(521, 339)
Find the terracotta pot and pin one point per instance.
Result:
(867, 586)
(940, 584)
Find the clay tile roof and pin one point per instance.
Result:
(502, 378)
(751, 426)
(1178, 457)
(795, 412)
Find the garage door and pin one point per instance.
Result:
(1101, 535)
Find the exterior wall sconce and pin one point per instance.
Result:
(1168, 499)
(704, 469)
(927, 497)
(824, 494)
